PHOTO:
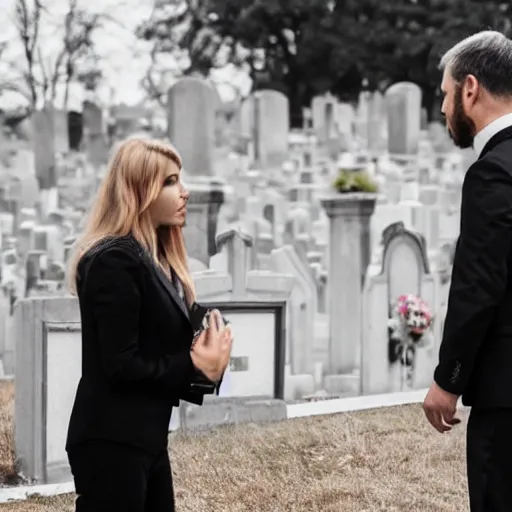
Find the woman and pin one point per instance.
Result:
(130, 274)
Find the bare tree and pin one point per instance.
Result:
(79, 27)
(27, 24)
(40, 78)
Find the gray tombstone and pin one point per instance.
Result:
(94, 137)
(306, 177)
(266, 113)
(192, 104)
(43, 143)
(269, 213)
(61, 131)
(403, 102)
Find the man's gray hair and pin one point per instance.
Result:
(488, 56)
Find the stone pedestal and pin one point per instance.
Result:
(206, 198)
(349, 216)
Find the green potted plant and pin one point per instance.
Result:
(354, 181)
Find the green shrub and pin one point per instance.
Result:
(354, 181)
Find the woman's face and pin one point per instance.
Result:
(170, 207)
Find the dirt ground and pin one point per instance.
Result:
(382, 460)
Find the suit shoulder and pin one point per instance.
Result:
(115, 253)
(494, 167)
(497, 160)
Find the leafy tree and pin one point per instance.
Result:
(183, 43)
(410, 37)
(289, 46)
(308, 47)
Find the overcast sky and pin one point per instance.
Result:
(124, 58)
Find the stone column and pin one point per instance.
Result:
(349, 216)
(204, 204)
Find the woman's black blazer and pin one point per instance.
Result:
(136, 338)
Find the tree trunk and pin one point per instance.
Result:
(430, 103)
(296, 99)
(296, 106)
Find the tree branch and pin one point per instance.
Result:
(46, 83)
(28, 29)
(56, 74)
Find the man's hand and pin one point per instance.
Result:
(440, 408)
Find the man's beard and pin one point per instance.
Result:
(462, 130)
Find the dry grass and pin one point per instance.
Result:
(7, 459)
(384, 460)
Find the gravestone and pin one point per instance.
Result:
(192, 104)
(324, 111)
(249, 388)
(403, 101)
(404, 270)
(302, 310)
(269, 214)
(270, 118)
(94, 137)
(48, 352)
(306, 177)
(61, 131)
(43, 144)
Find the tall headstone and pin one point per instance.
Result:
(270, 118)
(60, 118)
(94, 135)
(403, 101)
(324, 110)
(192, 104)
(43, 132)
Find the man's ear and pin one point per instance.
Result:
(470, 90)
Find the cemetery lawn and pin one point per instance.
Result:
(382, 460)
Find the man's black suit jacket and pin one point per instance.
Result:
(136, 338)
(475, 357)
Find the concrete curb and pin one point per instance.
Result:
(322, 407)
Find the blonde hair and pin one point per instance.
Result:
(133, 181)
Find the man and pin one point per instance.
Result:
(475, 357)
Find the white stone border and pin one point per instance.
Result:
(322, 407)
(21, 493)
(356, 403)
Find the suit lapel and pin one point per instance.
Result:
(502, 135)
(164, 280)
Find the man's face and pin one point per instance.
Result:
(460, 126)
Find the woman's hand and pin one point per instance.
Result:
(212, 350)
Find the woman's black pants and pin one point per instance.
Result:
(110, 477)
